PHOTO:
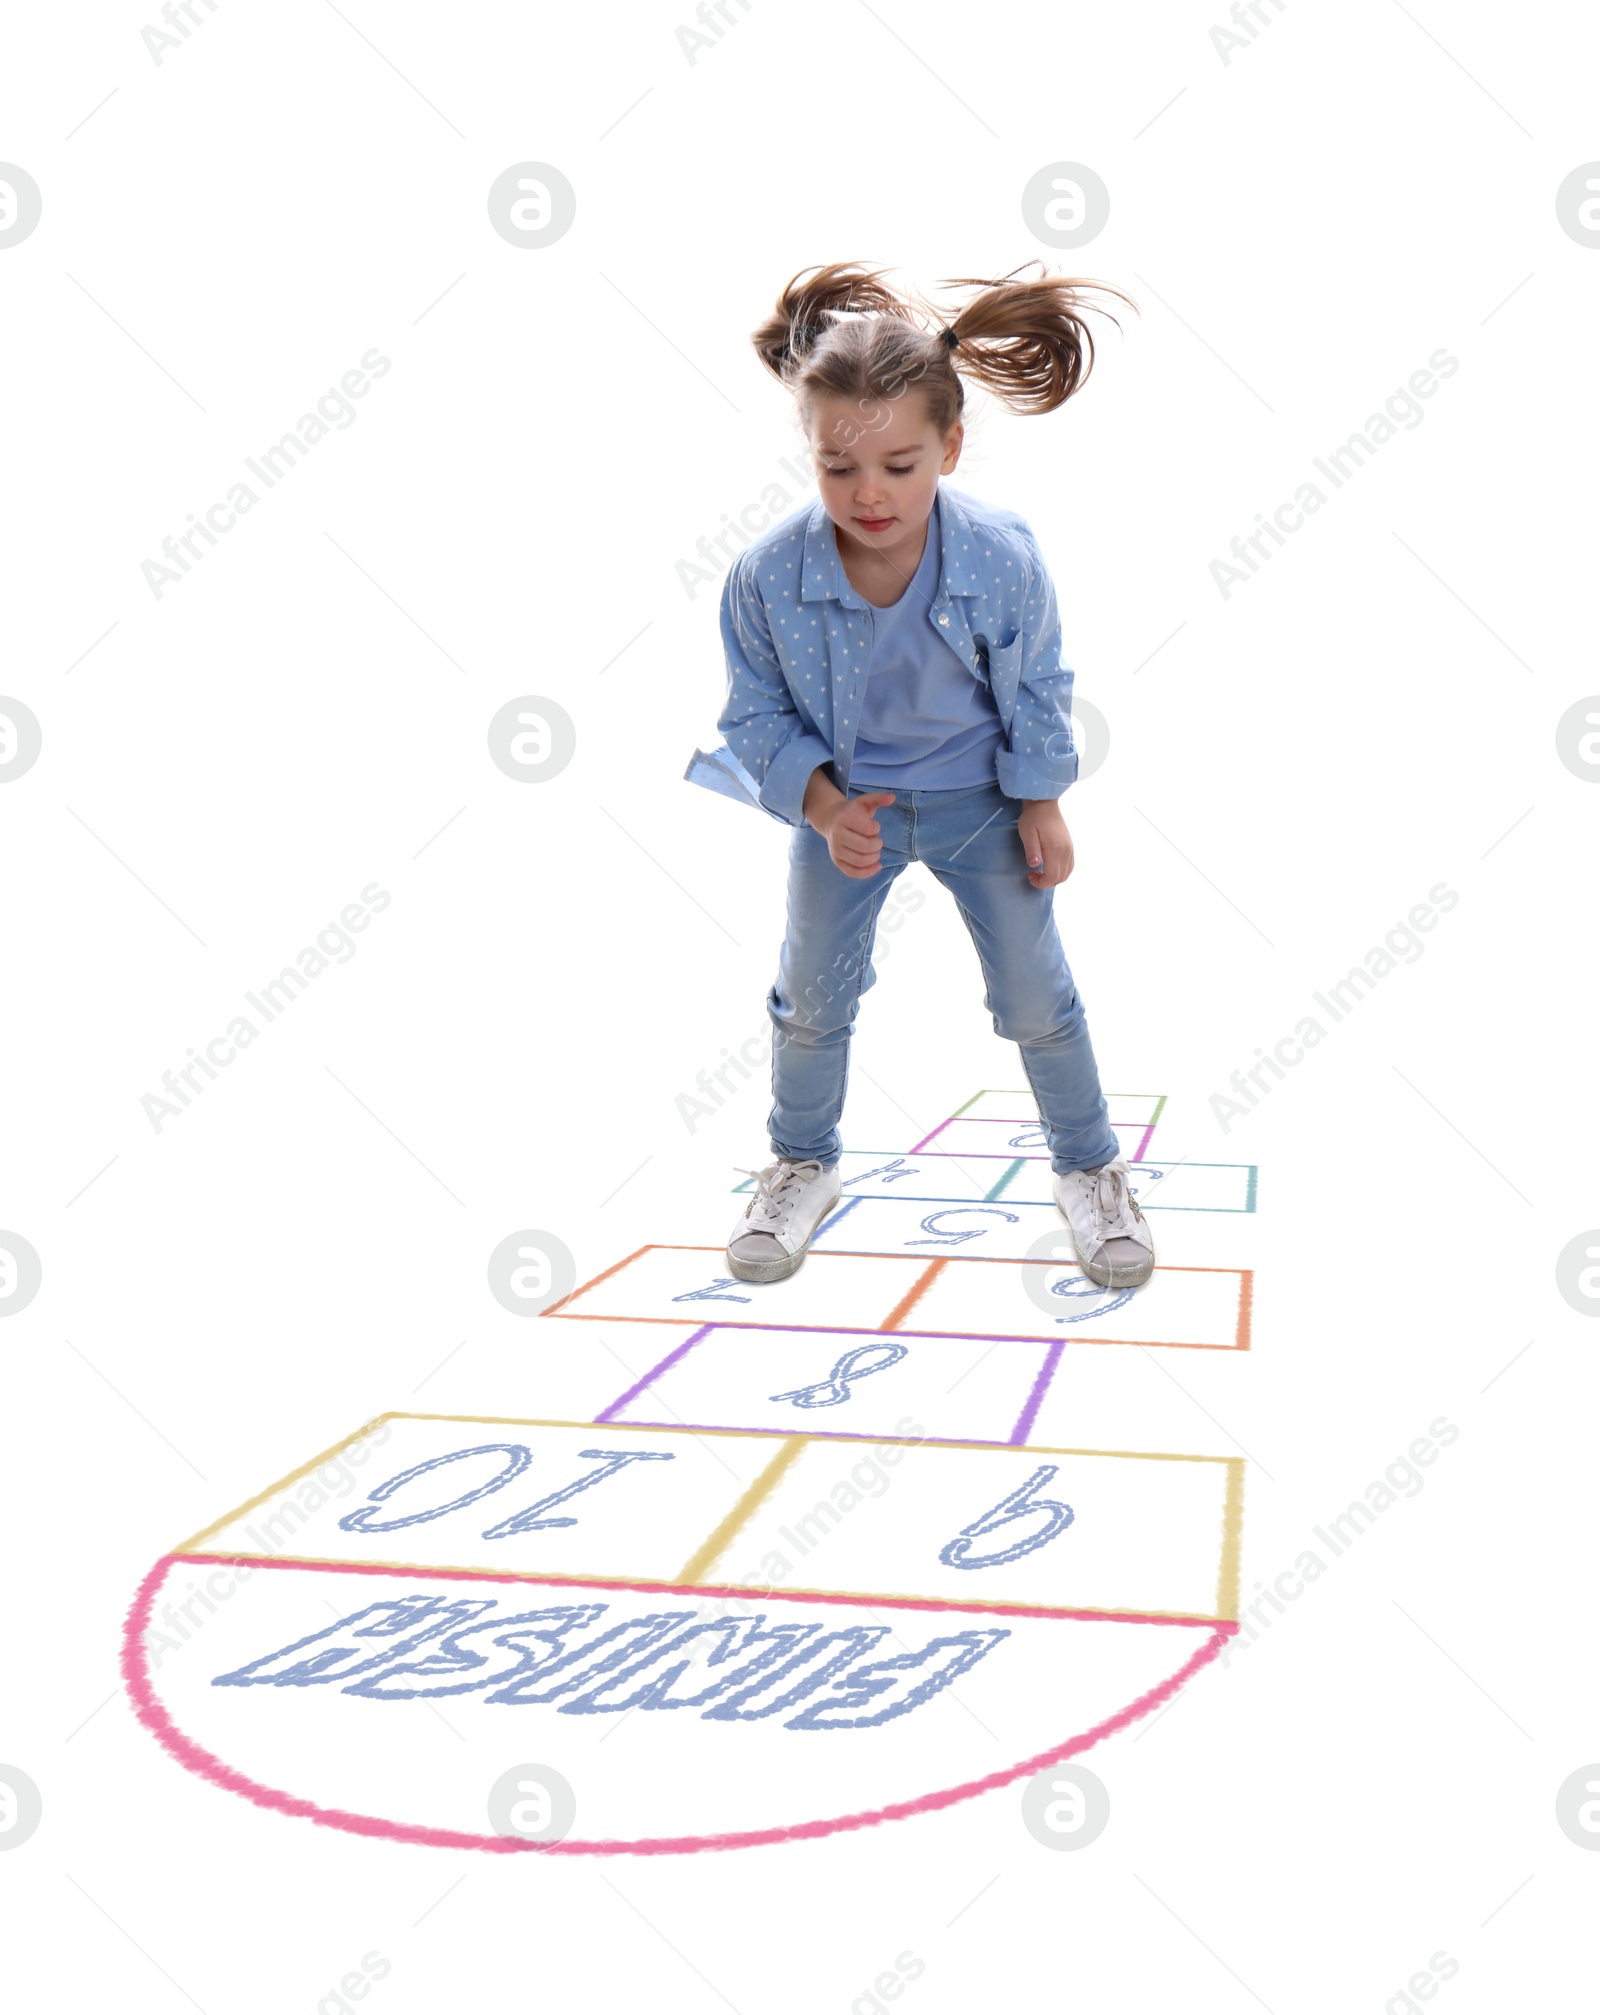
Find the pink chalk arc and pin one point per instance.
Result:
(151, 1712)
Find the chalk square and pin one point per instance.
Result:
(1156, 1185)
(945, 1178)
(981, 1139)
(642, 1520)
(1149, 1535)
(669, 1283)
(781, 1380)
(1003, 1227)
(888, 1172)
(1194, 1307)
(921, 1230)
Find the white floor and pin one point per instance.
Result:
(493, 1081)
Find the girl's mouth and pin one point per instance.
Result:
(873, 524)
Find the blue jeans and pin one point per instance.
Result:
(968, 839)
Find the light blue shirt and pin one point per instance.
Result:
(927, 723)
(798, 643)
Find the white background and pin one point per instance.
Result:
(1291, 769)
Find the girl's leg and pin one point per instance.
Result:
(824, 968)
(970, 843)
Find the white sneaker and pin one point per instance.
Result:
(1109, 1232)
(791, 1199)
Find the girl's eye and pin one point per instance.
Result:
(846, 471)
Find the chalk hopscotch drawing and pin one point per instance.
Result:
(811, 1568)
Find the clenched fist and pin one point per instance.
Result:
(850, 826)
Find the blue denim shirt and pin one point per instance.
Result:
(798, 640)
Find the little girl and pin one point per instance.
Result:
(896, 694)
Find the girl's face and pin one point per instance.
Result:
(878, 468)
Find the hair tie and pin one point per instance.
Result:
(948, 336)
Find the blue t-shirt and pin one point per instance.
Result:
(927, 723)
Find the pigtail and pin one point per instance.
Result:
(1026, 341)
(800, 319)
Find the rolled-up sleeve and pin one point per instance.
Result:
(1042, 759)
(774, 741)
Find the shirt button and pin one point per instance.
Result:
(944, 619)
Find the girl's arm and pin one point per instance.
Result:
(760, 721)
(1042, 758)
(822, 795)
(1042, 761)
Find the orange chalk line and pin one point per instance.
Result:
(900, 1259)
(960, 1335)
(897, 1315)
(610, 1270)
(761, 1590)
(1232, 1529)
(283, 1483)
(722, 1537)
(915, 1292)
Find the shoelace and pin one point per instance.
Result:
(773, 1190)
(1113, 1202)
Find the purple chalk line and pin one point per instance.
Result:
(1047, 1371)
(655, 1371)
(830, 1434)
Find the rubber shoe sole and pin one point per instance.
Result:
(789, 1262)
(1104, 1274)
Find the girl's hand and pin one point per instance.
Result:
(854, 843)
(1045, 841)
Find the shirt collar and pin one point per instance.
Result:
(823, 578)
